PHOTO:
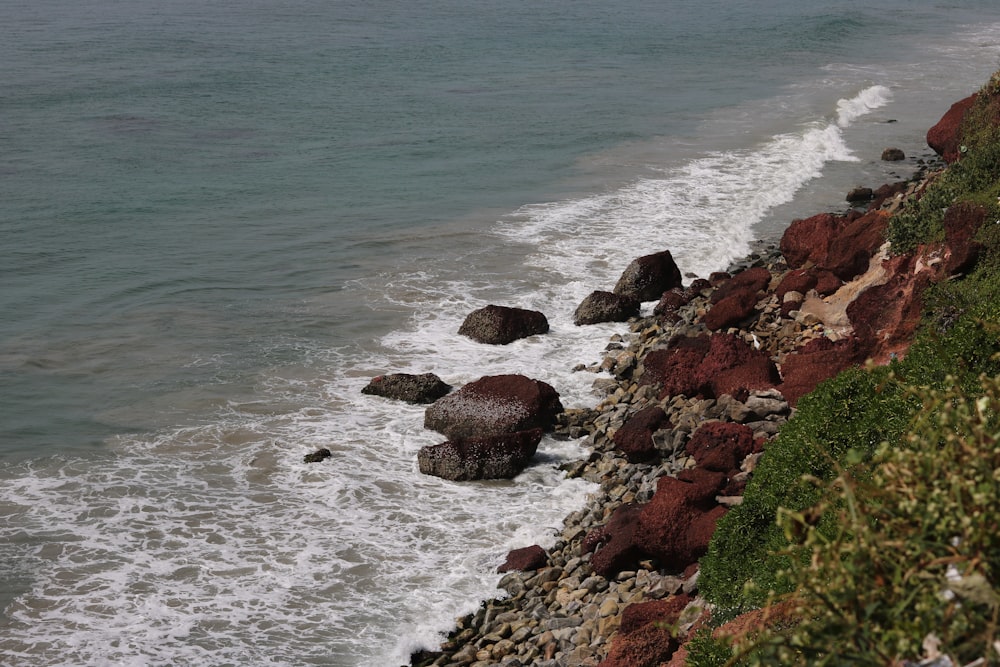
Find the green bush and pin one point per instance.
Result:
(916, 551)
(853, 412)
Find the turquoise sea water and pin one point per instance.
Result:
(220, 219)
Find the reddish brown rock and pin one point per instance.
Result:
(754, 279)
(731, 366)
(798, 280)
(739, 306)
(819, 359)
(526, 558)
(491, 457)
(853, 245)
(649, 646)
(946, 137)
(670, 301)
(677, 524)
(808, 240)
(635, 437)
(721, 446)
(606, 307)
(884, 317)
(665, 612)
(500, 325)
(961, 223)
(615, 542)
(647, 277)
(494, 405)
(675, 368)
(826, 282)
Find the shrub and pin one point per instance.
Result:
(916, 550)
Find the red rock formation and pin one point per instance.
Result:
(961, 223)
(732, 310)
(808, 240)
(819, 359)
(945, 137)
(666, 612)
(754, 279)
(721, 446)
(649, 646)
(678, 522)
(853, 245)
(526, 558)
(635, 437)
(675, 369)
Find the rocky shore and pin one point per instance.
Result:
(692, 395)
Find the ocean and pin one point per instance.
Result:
(220, 219)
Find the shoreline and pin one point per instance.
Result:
(560, 612)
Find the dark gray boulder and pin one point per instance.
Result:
(491, 457)
(425, 388)
(649, 276)
(606, 307)
(500, 325)
(495, 405)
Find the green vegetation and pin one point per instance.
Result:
(874, 510)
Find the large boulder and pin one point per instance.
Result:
(808, 239)
(495, 405)
(854, 243)
(635, 437)
(753, 280)
(676, 368)
(500, 325)
(524, 559)
(649, 276)
(674, 527)
(645, 636)
(490, 457)
(731, 310)
(606, 307)
(424, 388)
(946, 135)
(720, 446)
(818, 360)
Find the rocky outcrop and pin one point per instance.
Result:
(494, 405)
(606, 307)
(839, 244)
(945, 137)
(649, 276)
(490, 457)
(421, 389)
(709, 366)
(500, 325)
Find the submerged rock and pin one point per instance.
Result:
(425, 388)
